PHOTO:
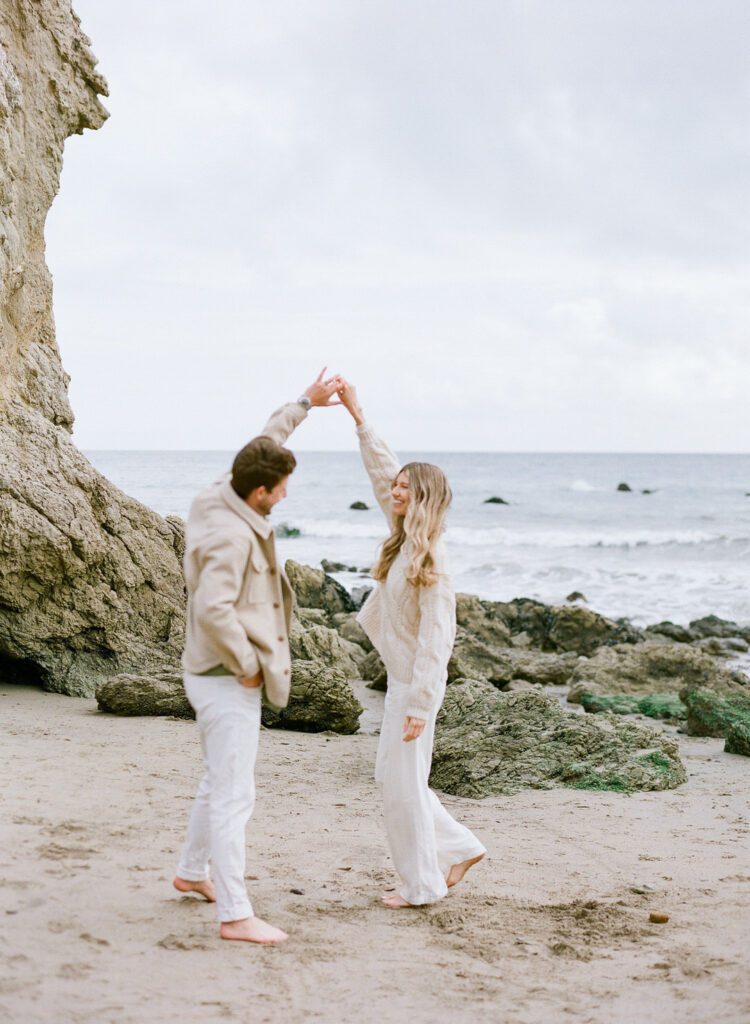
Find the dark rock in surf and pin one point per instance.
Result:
(624, 487)
(359, 506)
(494, 500)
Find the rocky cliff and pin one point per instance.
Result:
(90, 581)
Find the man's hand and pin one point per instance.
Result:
(321, 391)
(413, 727)
(251, 682)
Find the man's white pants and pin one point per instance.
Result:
(228, 717)
(425, 840)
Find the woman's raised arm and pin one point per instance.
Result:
(381, 464)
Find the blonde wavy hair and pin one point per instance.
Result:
(429, 499)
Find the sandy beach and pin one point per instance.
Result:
(554, 926)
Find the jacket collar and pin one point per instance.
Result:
(256, 522)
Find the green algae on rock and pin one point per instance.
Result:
(488, 742)
(713, 714)
(654, 705)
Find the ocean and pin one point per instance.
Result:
(677, 553)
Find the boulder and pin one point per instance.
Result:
(360, 594)
(321, 700)
(482, 620)
(712, 625)
(314, 589)
(346, 625)
(670, 630)
(336, 566)
(738, 739)
(359, 506)
(644, 669)
(312, 617)
(473, 659)
(723, 646)
(159, 693)
(488, 742)
(90, 580)
(624, 487)
(561, 628)
(494, 500)
(373, 671)
(576, 595)
(654, 705)
(325, 647)
(714, 714)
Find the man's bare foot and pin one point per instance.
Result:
(458, 871)
(252, 929)
(204, 889)
(395, 902)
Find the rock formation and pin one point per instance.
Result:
(90, 580)
(491, 742)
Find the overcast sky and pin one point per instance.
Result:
(516, 225)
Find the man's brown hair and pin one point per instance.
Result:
(261, 463)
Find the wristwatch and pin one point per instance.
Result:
(305, 402)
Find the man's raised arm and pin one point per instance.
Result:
(286, 419)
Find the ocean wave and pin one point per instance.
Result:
(505, 537)
(582, 485)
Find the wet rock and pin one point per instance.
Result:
(648, 490)
(346, 625)
(314, 589)
(488, 742)
(373, 671)
(325, 647)
(360, 594)
(674, 632)
(624, 487)
(712, 625)
(654, 705)
(494, 500)
(656, 917)
(336, 566)
(576, 595)
(724, 646)
(321, 700)
(359, 506)
(645, 669)
(90, 580)
(517, 685)
(159, 693)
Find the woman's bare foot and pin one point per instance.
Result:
(204, 889)
(395, 902)
(252, 929)
(458, 871)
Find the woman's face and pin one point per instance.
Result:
(400, 493)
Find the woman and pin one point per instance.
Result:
(410, 618)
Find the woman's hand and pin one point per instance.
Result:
(413, 727)
(348, 396)
(251, 682)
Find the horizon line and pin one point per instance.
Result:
(426, 451)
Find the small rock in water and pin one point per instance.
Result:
(494, 500)
(656, 917)
(624, 487)
(336, 566)
(646, 490)
(576, 595)
(359, 506)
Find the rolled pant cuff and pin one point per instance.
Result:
(236, 913)
(192, 876)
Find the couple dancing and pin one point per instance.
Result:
(237, 648)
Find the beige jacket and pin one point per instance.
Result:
(412, 628)
(239, 599)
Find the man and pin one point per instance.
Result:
(237, 646)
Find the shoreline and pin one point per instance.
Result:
(553, 926)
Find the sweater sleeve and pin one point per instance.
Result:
(437, 633)
(215, 597)
(382, 467)
(284, 421)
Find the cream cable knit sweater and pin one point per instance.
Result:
(412, 628)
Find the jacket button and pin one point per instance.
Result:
(272, 571)
(276, 604)
(280, 639)
(286, 671)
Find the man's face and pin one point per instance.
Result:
(262, 500)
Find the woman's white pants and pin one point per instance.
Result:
(228, 717)
(425, 841)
